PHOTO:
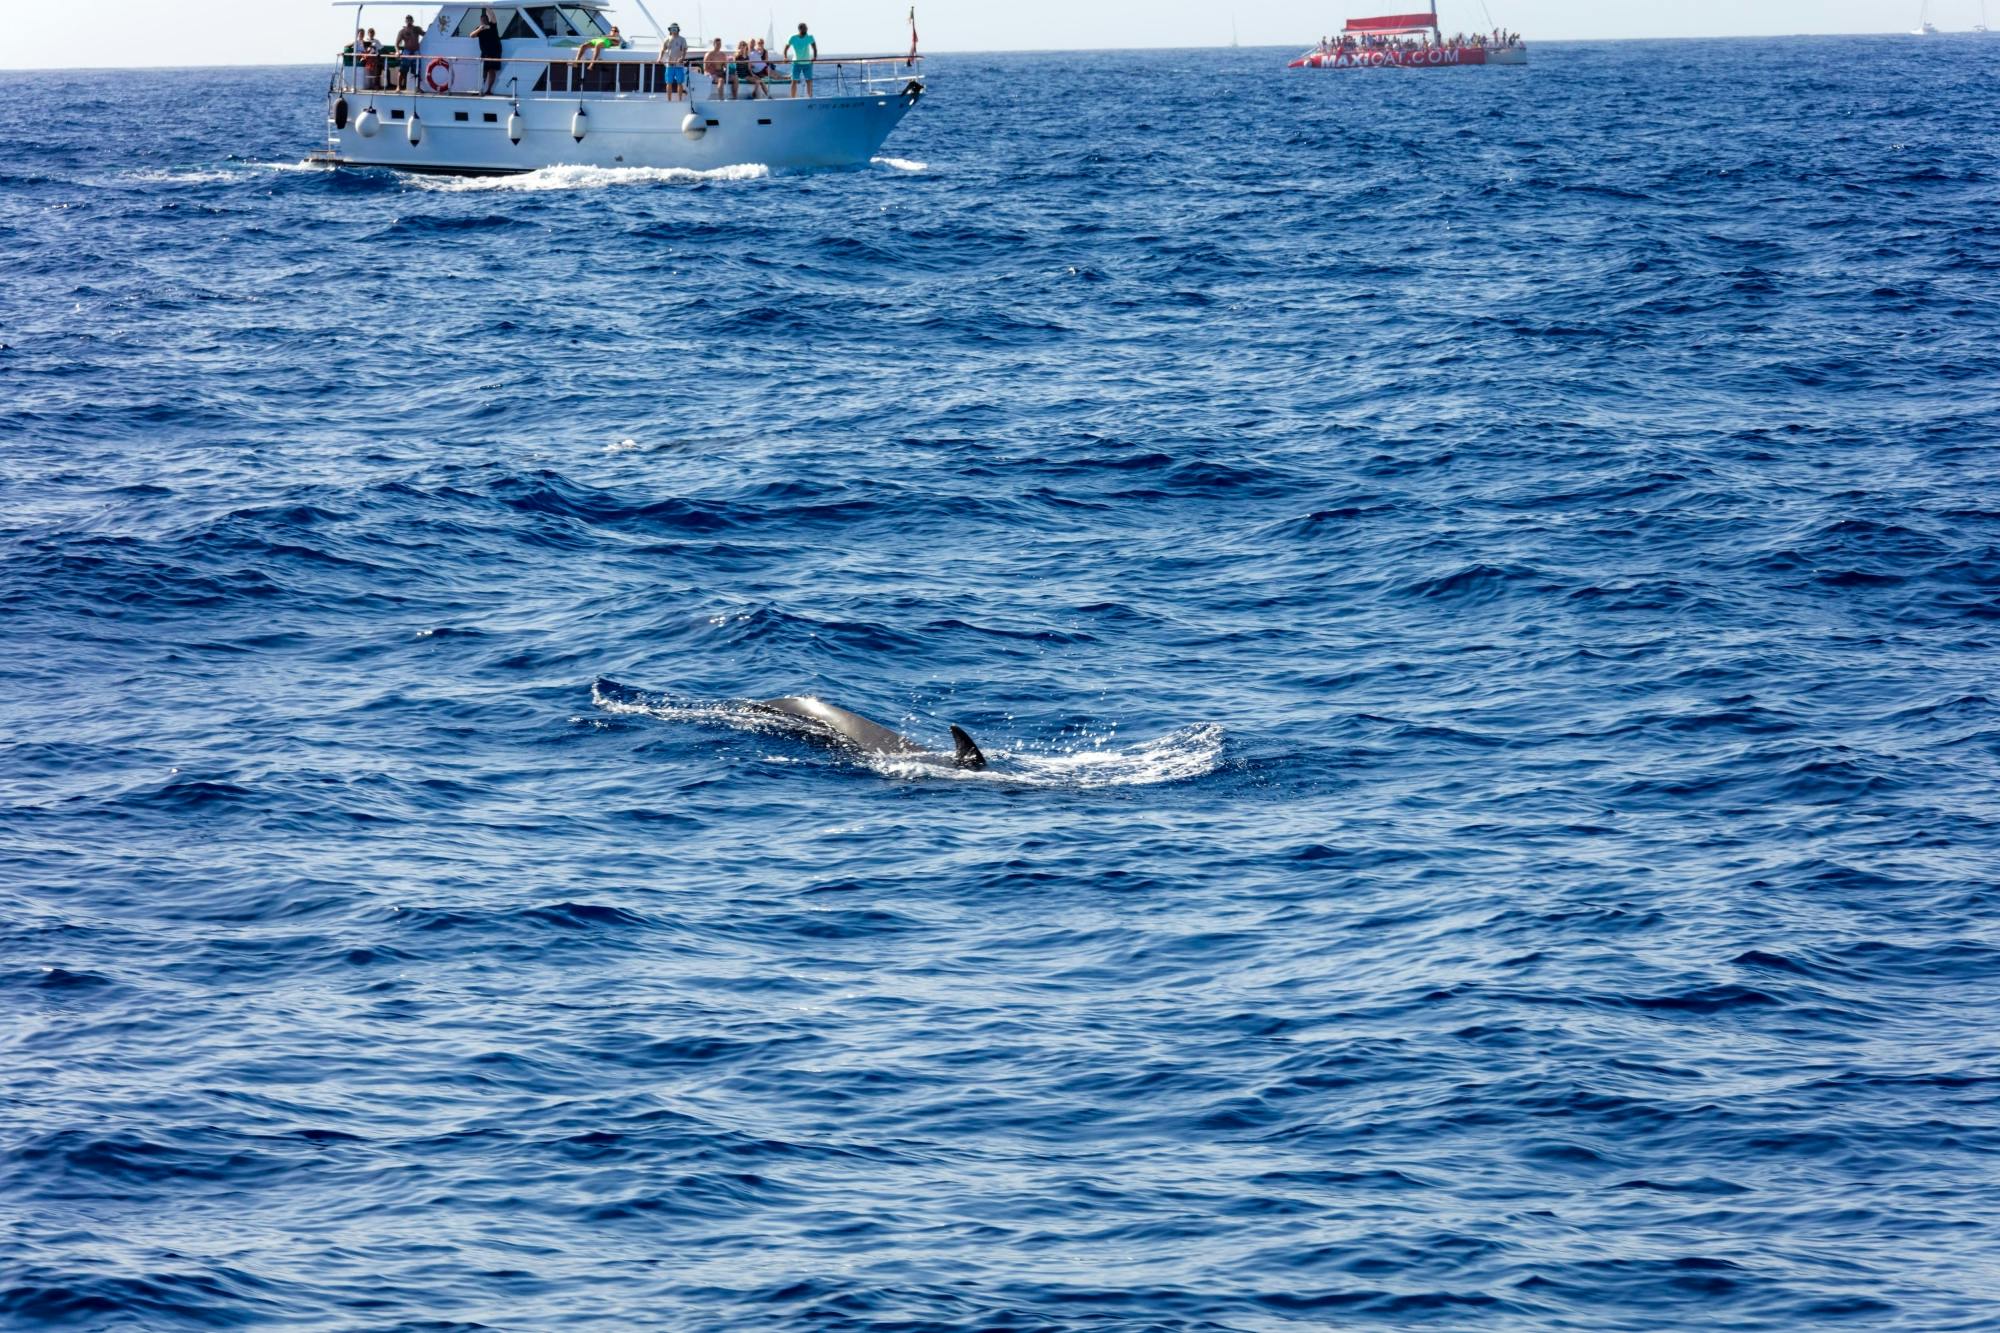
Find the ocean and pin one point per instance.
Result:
(1480, 589)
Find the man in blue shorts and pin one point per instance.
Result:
(674, 55)
(804, 51)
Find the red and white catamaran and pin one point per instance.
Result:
(1411, 41)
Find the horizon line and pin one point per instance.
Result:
(1046, 50)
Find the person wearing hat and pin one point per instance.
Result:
(674, 55)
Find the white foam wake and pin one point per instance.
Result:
(589, 178)
(1178, 756)
(899, 164)
(190, 176)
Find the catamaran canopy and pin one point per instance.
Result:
(1393, 23)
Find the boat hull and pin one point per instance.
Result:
(1429, 58)
(469, 134)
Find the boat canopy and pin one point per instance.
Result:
(1393, 23)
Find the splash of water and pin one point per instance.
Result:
(589, 178)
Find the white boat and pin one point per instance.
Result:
(555, 103)
(1924, 28)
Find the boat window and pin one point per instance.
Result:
(470, 20)
(586, 20)
(550, 22)
(517, 26)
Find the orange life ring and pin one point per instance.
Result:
(430, 75)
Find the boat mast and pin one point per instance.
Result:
(1437, 33)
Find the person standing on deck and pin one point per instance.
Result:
(804, 51)
(488, 36)
(674, 54)
(350, 55)
(410, 41)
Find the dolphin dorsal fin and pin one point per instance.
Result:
(968, 754)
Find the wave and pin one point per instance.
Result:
(141, 176)
(588, 178)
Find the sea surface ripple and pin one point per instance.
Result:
(1482, 589)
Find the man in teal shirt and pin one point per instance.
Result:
(804, 51)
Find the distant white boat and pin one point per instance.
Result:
(1924, 28)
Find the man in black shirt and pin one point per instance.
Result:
(488, 36)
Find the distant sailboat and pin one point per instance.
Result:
(1981, 25)
(1232, 29)
(1924, 28)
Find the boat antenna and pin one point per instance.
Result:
(658, 31)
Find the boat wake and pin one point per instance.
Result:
(1085, 764)
(899, 164)
(590, 178)
(167, 176)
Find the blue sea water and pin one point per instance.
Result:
(1481, 589)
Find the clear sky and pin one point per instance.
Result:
(46, 33)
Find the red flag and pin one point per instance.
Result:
(913, 38)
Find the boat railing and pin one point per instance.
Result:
(622, 74)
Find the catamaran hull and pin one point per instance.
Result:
(1431, 58)
(470, 135)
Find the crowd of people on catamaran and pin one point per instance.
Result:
(1497, 40)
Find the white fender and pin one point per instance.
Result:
(579, 125)
(693, 126)
(367, 123)
(514, 125)
(416, 129)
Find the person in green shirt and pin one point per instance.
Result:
(804, 51)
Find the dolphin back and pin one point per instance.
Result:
(821, 718)
(852, 728)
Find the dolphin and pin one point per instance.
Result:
(820, 720)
